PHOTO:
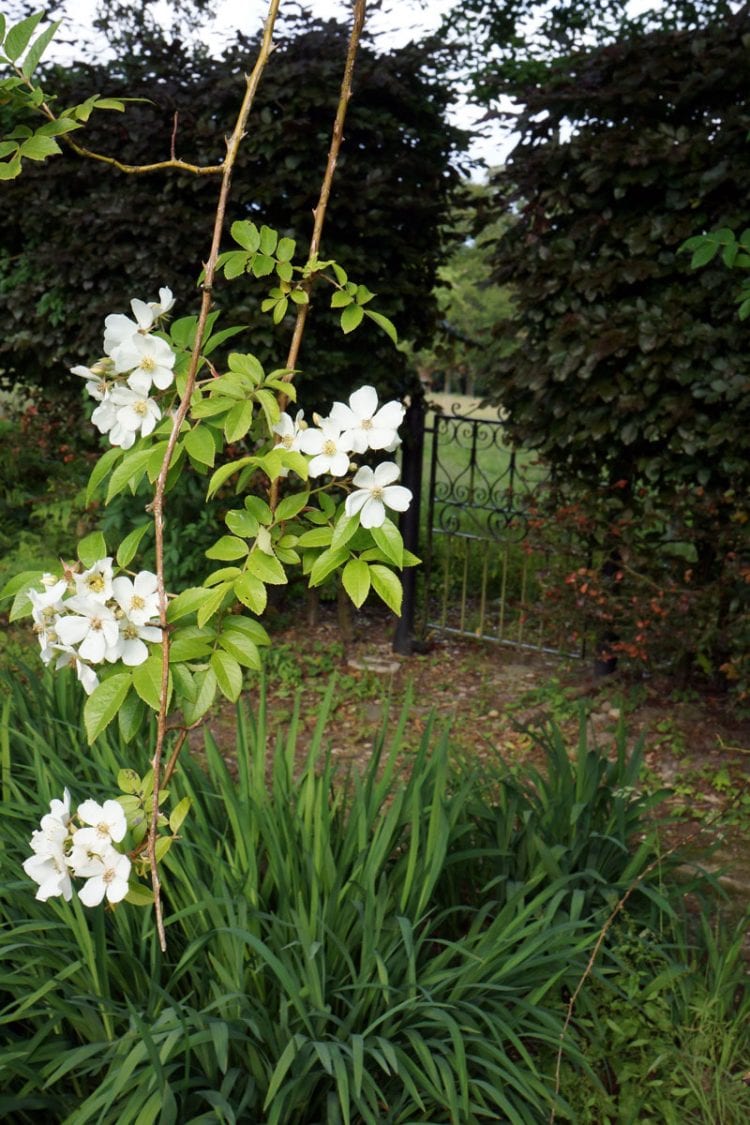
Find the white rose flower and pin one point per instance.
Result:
(328, 448)
(135, 413)
(138, 599)
(149, 359)
(91, 625)
(108, 876)
(363, 425)
(376, 492)
(130, 647)
(50, 871)
(107, 821)
(96, 582)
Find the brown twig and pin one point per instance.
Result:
(319, 211)
(233, 144)
(173, 140)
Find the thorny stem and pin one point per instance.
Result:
(321, 207)
(233, 144)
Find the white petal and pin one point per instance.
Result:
(356, 501)
(373, 513)
(364, 477)
(386, 473)
(397, 497)
(92, 891)
(364, 402)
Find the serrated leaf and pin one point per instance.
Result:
(238, 421)
(246, 235)
(316, 537)
(242, 650)
(356, 580)
(270, 407)
(247, 627)
(40, 147)
(228, 548)
(326, 563)
(199, 443)
(101, 469)
(127, 550)
(19, 36)
(147, 680)
(228, 674)
(387, 586)
(224, 472)
(383, 322)
(344, 530)
(341, 299)
(267, 568)
(178, 814)
(235, 263)
(20, 582)
(291, 506)
(213, 603)
(194, 710)
(187, 601)
(285, 249)
(251, 592)
(262, 265)
(104, 703)
(129, 719)
(191, 643)
(351, 318)
(184, 683)
(9, 169)
(128, 781)
(128, 472)
(92, 548)
(389, 540)
(139, 895)
(245, 363)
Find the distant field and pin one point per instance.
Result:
(459, 404)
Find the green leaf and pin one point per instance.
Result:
(139, 895)
(184, 684)
(128, 472)
(383, 322)
(224, 472)
(104, 703)
(129, 719)
(326, 563)
(178, 814)
(238, 421)
(40, 147)
(262, 265)
(247, 627)
(388, 538)
(128, 781)
(344, 530)
(387, 586)
(351, 318)
(19, 37)
(194, 710)
(191, 642)
(242, 650)
(251, 592)
(101, 469)
(9, 169)
(356, 579)
(285, 249)
(246, 235)
(187, 601)
(268, 240)
(22, 582)
(92, 548)
(267, 568)
(291, 506)
(199, 443)
(316, 537)
(341, 299)
(228, 675)
(213, 603)
(147, 680)
(245, 363)
(130, 544)
(227, 548)
(234, 264)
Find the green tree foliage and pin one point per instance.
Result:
(465, 349)
(69, 254)
(630, 363)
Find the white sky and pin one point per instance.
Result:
(398, 22)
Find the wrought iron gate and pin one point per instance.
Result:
(483, 575)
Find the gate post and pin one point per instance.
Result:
(411, 476)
